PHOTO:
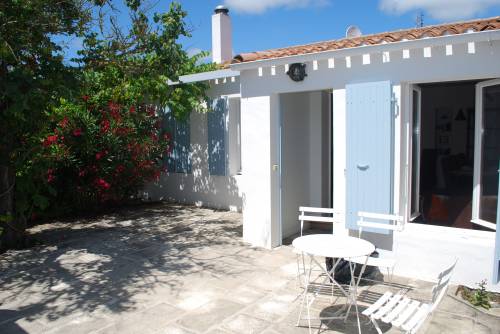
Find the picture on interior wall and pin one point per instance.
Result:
(443, 130)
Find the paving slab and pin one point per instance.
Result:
(151, 320)
(173, 329)
(245, 324)
(209, 314)
(81, 325)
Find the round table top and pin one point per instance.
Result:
(329, 245)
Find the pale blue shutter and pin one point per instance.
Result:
(182, 146)
(169, 126)
(217, 137)
(369, 118)
(179, 159)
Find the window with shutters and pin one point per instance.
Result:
(224, 136)
(217, 122)
(179, 159)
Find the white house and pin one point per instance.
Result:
(404, 122)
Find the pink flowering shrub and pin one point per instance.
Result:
(100, 153)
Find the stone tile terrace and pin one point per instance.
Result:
(165, 268)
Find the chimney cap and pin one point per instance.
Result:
(221, 9)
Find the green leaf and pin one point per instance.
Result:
(40, 201)
(6, 218)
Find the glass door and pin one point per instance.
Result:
(416, 101)
(486, 154)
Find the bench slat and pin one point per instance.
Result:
(387, 307)
(397, 310)
(320, 210)
(317, 219)
(406, 313)
(380, 216)
(377, 304)
(417, 317)
(380, 226)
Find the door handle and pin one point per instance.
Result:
(275, 168)
(362, 167)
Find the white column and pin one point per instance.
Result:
(339, 155)
(256, 170)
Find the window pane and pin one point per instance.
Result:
(491, 154)
(415, 154)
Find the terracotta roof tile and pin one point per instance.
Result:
(388, 37)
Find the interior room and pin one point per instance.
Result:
(446, 128)
(306, 156)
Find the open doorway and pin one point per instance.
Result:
(450, 148)
(306, 157)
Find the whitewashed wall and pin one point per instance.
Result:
(199, 187)
(460, 66)
(422, 248)
(257, 190)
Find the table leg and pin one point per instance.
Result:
(307, 278)
(305, 297)
(354, 294)
(351, 295)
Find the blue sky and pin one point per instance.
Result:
(265, 24)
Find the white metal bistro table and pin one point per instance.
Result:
(337, 247)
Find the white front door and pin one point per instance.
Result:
(486, 154)
(485, 209)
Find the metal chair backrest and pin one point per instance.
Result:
(372, 220)
(440, 288)
(313, 214)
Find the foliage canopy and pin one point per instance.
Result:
(87, 134)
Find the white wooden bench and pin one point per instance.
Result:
(373, 221)
(404, 313)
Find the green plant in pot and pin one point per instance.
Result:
(480, 297)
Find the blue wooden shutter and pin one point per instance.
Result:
(169, 126)
(217, 137)
(182, 146)
(179, 160)
(369, 118)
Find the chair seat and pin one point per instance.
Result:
(399, 310)
(384, 262)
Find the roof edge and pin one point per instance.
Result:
(488, 35)
(205, 76)
(437, 30)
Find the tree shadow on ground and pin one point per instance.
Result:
(89, 265)
(11, 327)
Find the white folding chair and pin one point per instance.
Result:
(386, 259)
(317, 215)
(404, 313)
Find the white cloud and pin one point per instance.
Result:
(439, 9)
(260, 6)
